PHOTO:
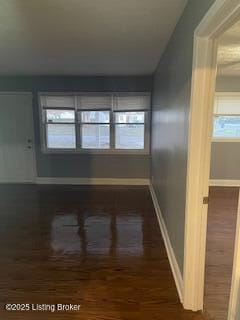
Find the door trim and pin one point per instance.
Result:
(234, 309)
(219, 18)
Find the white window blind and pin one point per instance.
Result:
(229, 105)
(118, 102)
(95, 102)
(80, 121)
(61, 101)
(128, 102)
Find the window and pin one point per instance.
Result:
(95, 129)
(95, 122)
(60, 129)
(129, 130)
(227, 117)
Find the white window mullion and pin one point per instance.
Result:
(112, 131)
(77, 131)
(96, 129)
(112, 124)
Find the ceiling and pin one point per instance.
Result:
(229, 52)
(85, 37)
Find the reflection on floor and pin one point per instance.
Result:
(96, 246)
(222, 215)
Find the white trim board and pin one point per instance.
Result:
(170, 252)
(92, 181)
(234, 308)
(224, 183)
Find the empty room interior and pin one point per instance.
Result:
(95, 118)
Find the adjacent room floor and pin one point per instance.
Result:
(222, 216)
(100, 247)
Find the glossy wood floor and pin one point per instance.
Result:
(222, 216)
(96, 246)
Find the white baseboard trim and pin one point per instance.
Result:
(93, 181)
(224, 183)
(171, 256)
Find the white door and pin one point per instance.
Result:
(17, 157)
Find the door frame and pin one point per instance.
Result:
(34, 179)
(234, 308)
(222, 15)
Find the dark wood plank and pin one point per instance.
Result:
(222, 216)
(100, 247)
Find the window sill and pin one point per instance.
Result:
(226, 140)
(96, 152)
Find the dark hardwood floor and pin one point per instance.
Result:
(96, 246)
(222, 216)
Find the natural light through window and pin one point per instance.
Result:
(227, 127)
(129, 129)
(95, 129)
(108, 122)
(227, 117)
(60, 130)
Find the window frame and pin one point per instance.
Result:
(215, 114)
(115, 124)
(77, 123)
(81, 123)
(45, 124)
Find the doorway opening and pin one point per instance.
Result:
(221, 16)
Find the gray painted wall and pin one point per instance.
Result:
(79, 165)
(225, 160)
(225, 157)
(170, 120)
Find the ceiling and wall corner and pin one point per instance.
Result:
(82, 37)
